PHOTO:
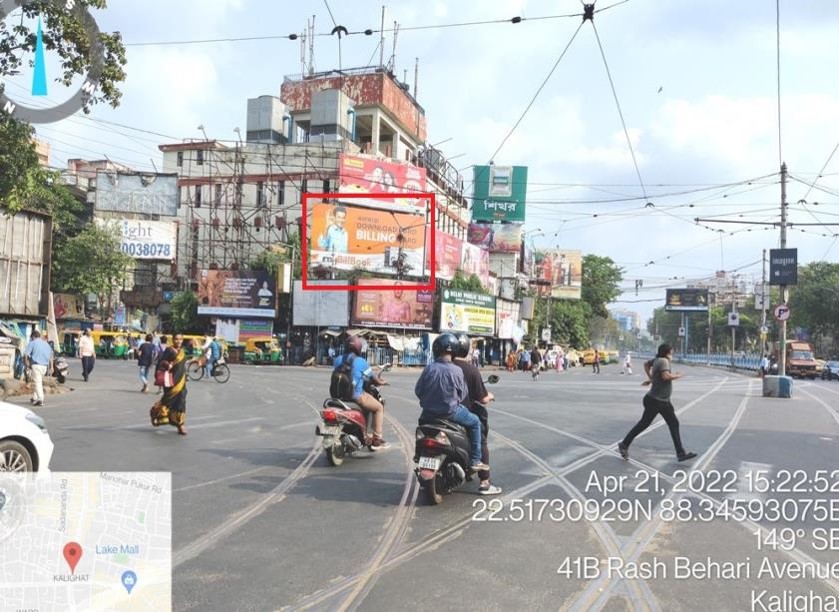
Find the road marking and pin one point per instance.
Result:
(218, 480)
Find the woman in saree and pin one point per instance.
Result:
(171, 408)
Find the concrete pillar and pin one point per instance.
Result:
(376, 131)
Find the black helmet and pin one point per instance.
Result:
(463, 345)
(355, 344)
(444, 343)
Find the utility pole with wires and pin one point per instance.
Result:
(782, 356)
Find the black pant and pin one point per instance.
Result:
(652, 407)
(481, 412)
(87, 366)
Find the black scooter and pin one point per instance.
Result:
(442, 455)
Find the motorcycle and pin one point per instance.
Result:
(61, 369)
(345, 423)
(442, 455)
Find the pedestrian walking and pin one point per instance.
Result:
(161, 348)
(595, 365)
(171, 408)
(511, 361)
(764, 366)
(627, 364)
(38, 358)
(145, 360)
(87, 351)
(657, 401)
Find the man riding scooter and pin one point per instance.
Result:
(478, 398)
(360, 372)
(442, 392)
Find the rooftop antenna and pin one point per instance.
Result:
(392, 63)
(416, 76)
(312, 46)
(382, 40)
(303, 38)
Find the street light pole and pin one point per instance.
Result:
(782, 357)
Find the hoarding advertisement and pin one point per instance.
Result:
(249, 328)
(229, 293)
(475, 261)
(471, 313)
(321, 308)
(687, 300)
(147, 239)
(500, 193)
(564, 271)
(152, 194)
(371, 175)
(397, 308)
(347, 237)
(496, 237)
(68, 306)
(448, 255)
(783, 267)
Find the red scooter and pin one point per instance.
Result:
(344, 425)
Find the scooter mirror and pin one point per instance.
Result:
(493, 379)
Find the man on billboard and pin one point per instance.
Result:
(395, 309)
(336, 239)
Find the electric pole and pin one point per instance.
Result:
(782, 358)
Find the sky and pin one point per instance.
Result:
(695, 83)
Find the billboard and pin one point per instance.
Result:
(783, 266)
(231, 293)
(360, 174)
(496, 237)
(475, 260)
(397, 308)
(321, 308)
(348, 237)
(564, 271)
(687, 300)
(149, 194)
(463, 311)
(526, 260)
(500, 193)
(146, 239)
(68, 306)
(448, 251)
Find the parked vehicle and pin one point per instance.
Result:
(831, 370)
(442, 456)
(25, 445)
(263, 350)
(61, 369)
(345, 424)
(801, 362)
(110, 345)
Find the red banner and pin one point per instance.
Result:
(397, 308)
(371, 175)
(447, 254)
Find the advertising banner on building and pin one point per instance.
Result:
(371, 175)
(253, 328)
(526, 260)
(507, 318)
(500, 193)
(397, 308)
(229, 293)
(496, 237)
(475, 261)
(463, 311)
(68, 306)
(151, 240)
(448, 255)
(687, 300)
(148, 194)
(783, 267)
(349, 237)
(564, 271)
(321, 308)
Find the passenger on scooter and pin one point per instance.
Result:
(361, 372)
(478, 397)
(441, 390)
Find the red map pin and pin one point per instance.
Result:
(72, 553)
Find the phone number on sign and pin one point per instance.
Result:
(147, 249)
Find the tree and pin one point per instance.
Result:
(471, 283)
(185, 312)
(269, 260)
(815, 300)
(601, 280)
(92, 262)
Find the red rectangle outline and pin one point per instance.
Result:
(432, 284)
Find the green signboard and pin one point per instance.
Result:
(499, 193)
(463, 311)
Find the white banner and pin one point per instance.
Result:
(146, 239)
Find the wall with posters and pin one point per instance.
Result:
(68, 306)
(321, 308)
(475, 260)
(463, 311)
(448, 251)
(564, 270)
(349, 237)
(397, 308)
(361, 174)
(508, 314)
(229, 293)
(146, 239)
(149, 194)
(500, 193)
(496, 237)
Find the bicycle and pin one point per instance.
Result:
(196, 371)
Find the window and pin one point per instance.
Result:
(180, 197)
(180, 159)
(260, 194)
(326, 186)
(218, 196)
(199, 157)
(198, 196)
(281, 193)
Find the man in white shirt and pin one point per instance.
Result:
(87, 351)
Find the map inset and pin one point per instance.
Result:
(86, 541)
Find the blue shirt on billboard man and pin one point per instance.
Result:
(336, 239)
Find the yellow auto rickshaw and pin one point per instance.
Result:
(70, 341)
(262, 350)
(110, 345)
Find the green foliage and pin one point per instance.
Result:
(66, 37)
(270, 260)
(91, 262)
(468, 283)
(185, 312)
(746, 337)
(601, 283)
(815, 300)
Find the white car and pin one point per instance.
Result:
(25, 445)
